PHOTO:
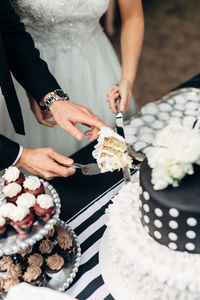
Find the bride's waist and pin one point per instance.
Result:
(64, 36)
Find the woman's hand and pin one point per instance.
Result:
(121, 91)
(42, 116)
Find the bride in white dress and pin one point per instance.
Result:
(81, 58)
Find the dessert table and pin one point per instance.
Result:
(83, 203)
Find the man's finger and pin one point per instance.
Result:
(75, 132)
(61, 171)
(61, 159)
(91, 121)
(47, 123)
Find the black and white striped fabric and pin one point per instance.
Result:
(89, 225)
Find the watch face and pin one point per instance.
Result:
(60, 93)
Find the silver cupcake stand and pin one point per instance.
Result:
(14, 242)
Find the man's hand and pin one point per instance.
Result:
(41, 116)
(67, 114)
(45, 162)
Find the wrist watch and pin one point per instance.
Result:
(54, 96)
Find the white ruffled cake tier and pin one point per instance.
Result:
(148, 270)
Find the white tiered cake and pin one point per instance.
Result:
(152, 242)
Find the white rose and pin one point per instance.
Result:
(177, 171)
(160, 179)
(158, 157)
(167, 136)
(187, 147)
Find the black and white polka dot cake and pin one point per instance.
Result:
(172, 215)
(153, 224)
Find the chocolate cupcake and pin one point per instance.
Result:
(35, 260)
(51, 235)
(54, 264)
(24, 252)
(14, 271)
(65, 247)
(2, 285)
(9, 283)
(5, 263)
(46, 247)
(34, 276)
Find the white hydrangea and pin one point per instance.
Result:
(176, 148)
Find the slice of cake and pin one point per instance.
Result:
(111, 151)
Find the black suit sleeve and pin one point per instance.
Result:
(9, 151)
(23, 58)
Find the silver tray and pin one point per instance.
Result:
(133, 134)
(62, 280)
(65, 277)
(15, 242)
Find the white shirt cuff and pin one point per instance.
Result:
(19, 155)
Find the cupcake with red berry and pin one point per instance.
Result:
(12, 191)
(13, 174)
(33, 185)
(26, 200)
(44, 207)
(21, 219)
(5, 211)
(2, 226)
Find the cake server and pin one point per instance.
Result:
(120, 131)
(88, 169)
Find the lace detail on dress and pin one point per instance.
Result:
(63, 23)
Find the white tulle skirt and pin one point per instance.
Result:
(86, 77)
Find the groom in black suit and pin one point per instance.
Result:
(18, 55)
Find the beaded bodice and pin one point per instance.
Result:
(63, 23)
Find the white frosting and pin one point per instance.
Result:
(192, 112)
(45, 201)
(18, 213)
(157, 124)
(192, 105)
(176, 113)
(11, 174)
(12, 189)
(150, 108)
(139, 145)
(26, 200)
(6, 209)
(163, 116)
(32, 183)
(105, 163)
(148, 270)
(2, 221)
(137, 122)
(165, 107)
(148, 118)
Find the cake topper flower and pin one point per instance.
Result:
(175, 149)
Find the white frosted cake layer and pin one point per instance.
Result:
(148, 270)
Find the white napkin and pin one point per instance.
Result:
(24, 291)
